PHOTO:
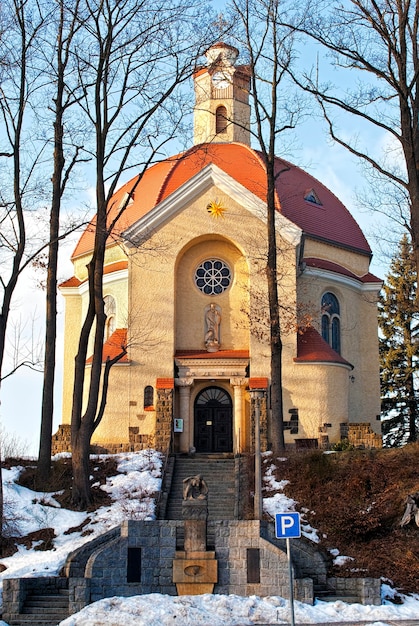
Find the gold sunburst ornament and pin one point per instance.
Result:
(216, 209)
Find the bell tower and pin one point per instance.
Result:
(222, 110)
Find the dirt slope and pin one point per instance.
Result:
(356, 501)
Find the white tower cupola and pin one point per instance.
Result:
(222, 111)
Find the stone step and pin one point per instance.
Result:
(58, 602)
(218, 473)
(23, 620)
(332, 598)
(328, 594)
(43, 609)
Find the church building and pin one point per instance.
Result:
(185, 290)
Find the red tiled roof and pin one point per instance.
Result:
(146, 189)
(165, 383)
(203, 354)
(115, 267)
(330, 221)
(112, 347)
(71, 282)
(108, 269)
(311, 347)
(258, 383)
(334, 267)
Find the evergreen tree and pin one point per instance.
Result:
(399, 349)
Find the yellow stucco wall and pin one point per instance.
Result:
(191, 302)
(356, 263)
(163, 309)
(208, 100)
(359, 337)
(114, 253)
(320, 392)
(72, 322)
(76, 303)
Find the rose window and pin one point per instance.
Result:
(212, 277)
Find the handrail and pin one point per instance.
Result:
(164, 468)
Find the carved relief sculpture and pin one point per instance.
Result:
(212, 327)
(195, 488)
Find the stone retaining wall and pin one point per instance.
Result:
(61, 442)
(106, 569)
(360, 435)
(137, 558)
(367, 589)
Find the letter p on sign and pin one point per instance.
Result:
(287, 525)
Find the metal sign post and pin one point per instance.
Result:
(287, 526)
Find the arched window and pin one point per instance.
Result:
(221, 120)
(110, 312)
(331, 320)
(148, 397)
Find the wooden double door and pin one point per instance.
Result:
(213, 416)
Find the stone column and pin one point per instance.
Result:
(238, 421)
(195, 515)
(185, 385)
(164, 414)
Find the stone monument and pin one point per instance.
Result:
(195, 567)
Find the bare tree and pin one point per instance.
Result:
(20, 154)
(56, 51)
(18, 84)
(269, 49)
(134, 58)
(34, 54)
(374, 46)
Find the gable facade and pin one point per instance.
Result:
(186, 290)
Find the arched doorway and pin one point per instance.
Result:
(213, 416)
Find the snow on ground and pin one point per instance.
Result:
(213, 610)
(139, 476)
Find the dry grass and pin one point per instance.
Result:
(356, 501)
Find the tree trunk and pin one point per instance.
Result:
(44, 457)
(277, 441)
(80, 449)
(412, 408)
(83, 425)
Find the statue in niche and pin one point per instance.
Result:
(212, 327)
(195, 488)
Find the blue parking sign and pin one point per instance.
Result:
(287, 525)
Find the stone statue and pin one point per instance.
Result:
(212, 321)
(195, 488)
(412, 509)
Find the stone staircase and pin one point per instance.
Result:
(219, 473)
(42, 609)
(326, 593)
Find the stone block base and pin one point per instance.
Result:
(194, 572)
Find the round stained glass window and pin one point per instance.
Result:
(212, 277)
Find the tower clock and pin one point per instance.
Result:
(222, 111)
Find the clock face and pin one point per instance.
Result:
(220, 80)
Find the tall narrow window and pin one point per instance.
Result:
(110, 312)
(221, 120)
(134, 565)
(253, 565)
(331, 320)
(148, 397)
